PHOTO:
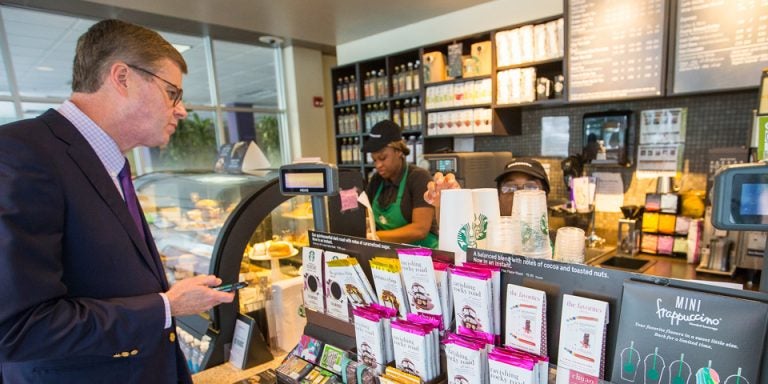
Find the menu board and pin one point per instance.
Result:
(616, 49)
(721, 44)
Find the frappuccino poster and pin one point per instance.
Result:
(679, 336)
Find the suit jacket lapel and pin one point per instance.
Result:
(85, 157)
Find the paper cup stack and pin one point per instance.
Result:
(456, 213)
(485, 216)
(569, 245)
(529, 209)
(505, 236)
(468, 219)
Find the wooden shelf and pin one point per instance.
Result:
(548, 102)
(446, 109)
(459, 80)
(530, 64)
(345, 135)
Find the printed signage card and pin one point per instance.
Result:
(312, 260)
(673, 335)
(526, 327)
(581, 356)
(335, 298)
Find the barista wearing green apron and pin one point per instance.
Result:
(397, 188)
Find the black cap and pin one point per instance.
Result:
(383, 133)
(527, 166)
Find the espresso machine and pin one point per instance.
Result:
(628, 242)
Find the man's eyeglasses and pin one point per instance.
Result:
(510, 187)
(173, 94)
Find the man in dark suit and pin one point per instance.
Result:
(83, 295)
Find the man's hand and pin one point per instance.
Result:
(194, 295)
(439, 183)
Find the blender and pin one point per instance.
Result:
(629, 230)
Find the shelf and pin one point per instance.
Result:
(405, 96)
(459, 135)
(345, 105)
(548, 102)
(460, 80)
(374, 101)
(446, 109)
(344, 135)
(412, 132)
(530, 64)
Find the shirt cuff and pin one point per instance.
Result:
(167, 305)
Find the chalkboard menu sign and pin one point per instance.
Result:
(721, 44)
(616, 49)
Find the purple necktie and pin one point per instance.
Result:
(130, 196)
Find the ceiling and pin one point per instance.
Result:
(42, 44)
(319, 24)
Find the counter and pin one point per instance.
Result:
(227, 373)
(678, 268)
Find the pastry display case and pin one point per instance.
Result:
(239, 228)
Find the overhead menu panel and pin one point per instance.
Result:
(615, 49)
(721, 44)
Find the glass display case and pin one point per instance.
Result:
(239, 228)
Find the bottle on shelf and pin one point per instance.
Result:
(368, 117)
(339, 86)
(396, 113)
(345, 89)
(352, 88)
(401, 79)
(415, 113)
(356, 151)
(411, 143)
(416, 76)
(396, 81)
(355, 121)
(419, 149)
(381, 90)
(406, 115)
(367, 86)
(409, 78)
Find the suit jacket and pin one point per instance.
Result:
(78, 285)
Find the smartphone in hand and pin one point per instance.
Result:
(231, 287)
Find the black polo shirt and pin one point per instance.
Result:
(413, 195)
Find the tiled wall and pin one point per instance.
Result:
(714, 120)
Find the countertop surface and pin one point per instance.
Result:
(679, 268)
(227, 373)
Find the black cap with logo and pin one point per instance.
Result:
(383, 133)
(527, 166)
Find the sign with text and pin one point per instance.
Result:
(680, 336)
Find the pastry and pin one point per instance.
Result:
(278, 249)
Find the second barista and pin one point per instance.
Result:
(397, 190)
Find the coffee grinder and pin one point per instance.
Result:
(629, 230)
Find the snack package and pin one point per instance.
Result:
(389, 284)
(356, 288)
(526, 326)
(473, 299)
(369, 338)
(411, 349)
(419, 278)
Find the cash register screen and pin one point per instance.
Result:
(752, 207)
(310, 180)
(445, 165)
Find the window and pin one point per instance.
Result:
(42, 46)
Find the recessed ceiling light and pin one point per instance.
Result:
(271, 40)
(43, 68)
(181, 47)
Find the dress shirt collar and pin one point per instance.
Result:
(104, 146)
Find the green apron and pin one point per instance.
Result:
(392, 216)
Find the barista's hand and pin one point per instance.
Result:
(194, 295)
(439, 183)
